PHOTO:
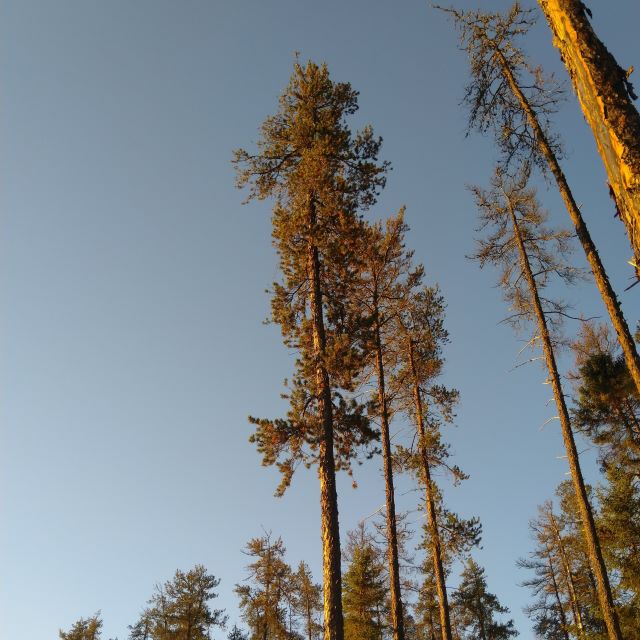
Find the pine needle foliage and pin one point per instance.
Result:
(606, 400)
(263, 597)
(511, 217)
(84, 629)
(477, 609)
(180, 610)
(320, 176)
(365, 590)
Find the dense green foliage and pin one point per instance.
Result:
(365, 590)
(477, 609)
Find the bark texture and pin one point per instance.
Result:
(606, 98)
(330, 529)
(605, 598)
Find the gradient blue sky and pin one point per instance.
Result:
(132, 285)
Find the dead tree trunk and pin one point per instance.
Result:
(606, 98)
(596, 559)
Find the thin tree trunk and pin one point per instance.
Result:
(267, 597)
(600, 275)
(605, 598)
(556, 592)
(397, 620)
(331, 569)
(432, 626)
(568, 576)
(436, 547)
(606, 101)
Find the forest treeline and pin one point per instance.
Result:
(368, 330)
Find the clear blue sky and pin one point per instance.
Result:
(132, 286)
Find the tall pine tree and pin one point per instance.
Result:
(263, 600)
(529, 255)
(422, 335)
(321, 177)
(387, 277)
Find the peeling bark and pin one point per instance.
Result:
(606, 98)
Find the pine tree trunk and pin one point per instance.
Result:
(436, 546)
(556, 593)
(605, 98)
(602, 281)
(397, 618)
(331, 570)
(605, 598)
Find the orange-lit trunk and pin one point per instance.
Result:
(601, 86)
(331, 569)
(397, 618)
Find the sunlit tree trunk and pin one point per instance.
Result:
(436, 546)
(607, 103)
(321, 177)
(332, 577)
(397, 616)
(590, 534)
